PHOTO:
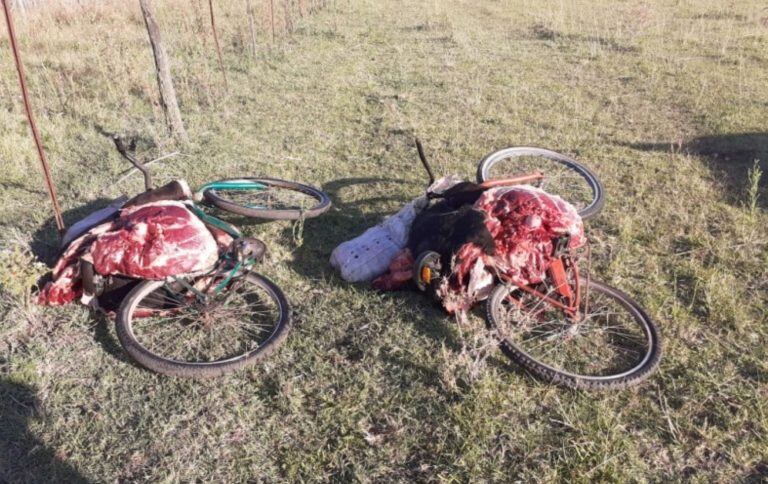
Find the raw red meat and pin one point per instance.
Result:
(399, 273)
(66, 284)
(64, 289)
(524, 222)
(151, 241)
(155, 241)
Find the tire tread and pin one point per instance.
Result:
(582, 383)
(190, 370)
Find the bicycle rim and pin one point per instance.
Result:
(563, 176)
(611, 341)
(166, 320)
(267, 198)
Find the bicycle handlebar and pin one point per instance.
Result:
(126, 152)
(424, 162)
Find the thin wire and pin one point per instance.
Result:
(31, 119)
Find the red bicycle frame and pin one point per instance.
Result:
(557, 274)
(515, 180)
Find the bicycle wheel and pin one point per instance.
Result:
(614, 344)
(267, 198)
(166, 328)
(563, 176)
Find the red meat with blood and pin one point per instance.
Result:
(524, 222)
(400, 271)
(151, 241)
(66, 285)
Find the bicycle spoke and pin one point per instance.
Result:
(270, 198)
(604, 341)
(181, 328)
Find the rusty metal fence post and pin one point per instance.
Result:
(218, 49)
(31, 118)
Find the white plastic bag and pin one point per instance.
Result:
(368, 256)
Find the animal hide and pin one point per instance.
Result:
(516, 238)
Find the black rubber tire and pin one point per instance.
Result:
(169, 367)
(598, 192)
(580, 382)
(322, 205)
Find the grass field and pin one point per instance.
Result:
(667, 101)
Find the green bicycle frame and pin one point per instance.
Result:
(222, 225)
(233, 185)
(229, 229)
(218, 223)
(243, 185)
(201, 296)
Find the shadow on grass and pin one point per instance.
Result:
(436, 324)
(45, 240)
(9, 185)
(107, 341)
(542, 32)
(45, 245)
(345, 220)
(730, 157)
(23, 458)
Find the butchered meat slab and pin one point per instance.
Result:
(155, 241)
(151, 241)
(523, 223)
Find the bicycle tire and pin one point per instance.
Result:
(546, 372)
(592, 208)
(322, 201)
(170, 367)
